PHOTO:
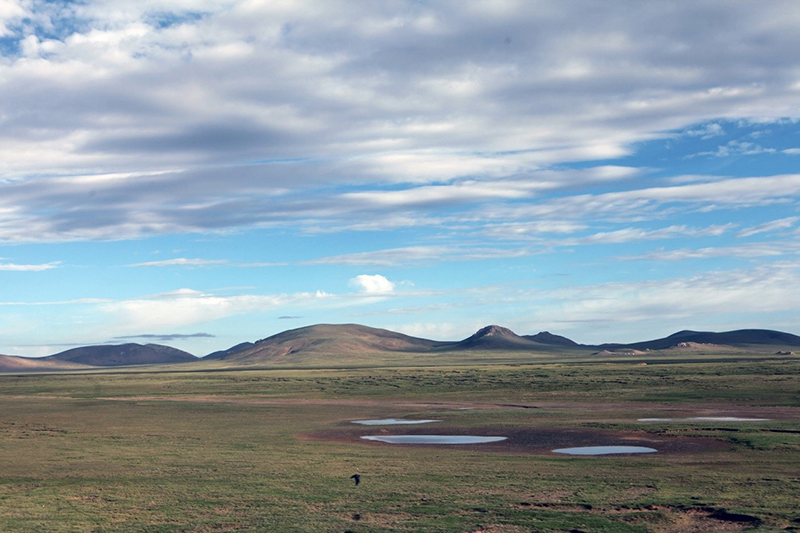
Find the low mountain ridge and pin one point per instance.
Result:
(123, 355)
(349, 343)
(735, 338)
(545, 337)
(495, 338)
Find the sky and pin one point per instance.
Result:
(202, 173)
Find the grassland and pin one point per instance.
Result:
(227, 450)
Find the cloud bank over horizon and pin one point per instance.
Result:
(255, 150)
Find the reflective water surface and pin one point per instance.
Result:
(391, 422)
(604, 450)
(433, 439)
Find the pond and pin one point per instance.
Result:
(604, 450)
(433, 439)
(391, 422)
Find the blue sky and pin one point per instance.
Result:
(204, 173)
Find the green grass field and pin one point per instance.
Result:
(229, 450)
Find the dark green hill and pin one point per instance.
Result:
(124, 354)
(738, 338)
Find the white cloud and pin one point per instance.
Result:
(748, 251)
(791, 151)
(13, 267)
(182, 261)
(439, 331)
(642, 204)
(783, 223)
(707, 131)
(420, 254)
(187, 307)
(738, 148)
(714, 294)
(637, 234)
(372, 284)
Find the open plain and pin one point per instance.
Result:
(188, 448)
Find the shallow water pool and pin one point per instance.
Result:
(391, 422)
(604, 450)
(433, 439)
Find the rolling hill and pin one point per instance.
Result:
(123, 354)
(330, 339)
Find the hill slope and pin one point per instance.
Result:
(11, 363)
(222, 354)
(124, 354)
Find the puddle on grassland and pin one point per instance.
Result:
(433, 439)
(604, 450)
(705, 419)
(391, 422)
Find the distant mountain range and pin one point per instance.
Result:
(353, 340)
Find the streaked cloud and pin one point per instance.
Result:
(715, 293)
(421, 254)
(166, 337)
(746, 251)
(182, 261)
(775, 225)
(13, 267)
(187, 307)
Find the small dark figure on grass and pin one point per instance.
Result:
(357, 478)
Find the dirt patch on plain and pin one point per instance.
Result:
(529, 440)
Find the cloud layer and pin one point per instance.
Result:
(121, 119)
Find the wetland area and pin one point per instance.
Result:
(274, 450)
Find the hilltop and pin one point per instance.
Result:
(496, 338)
